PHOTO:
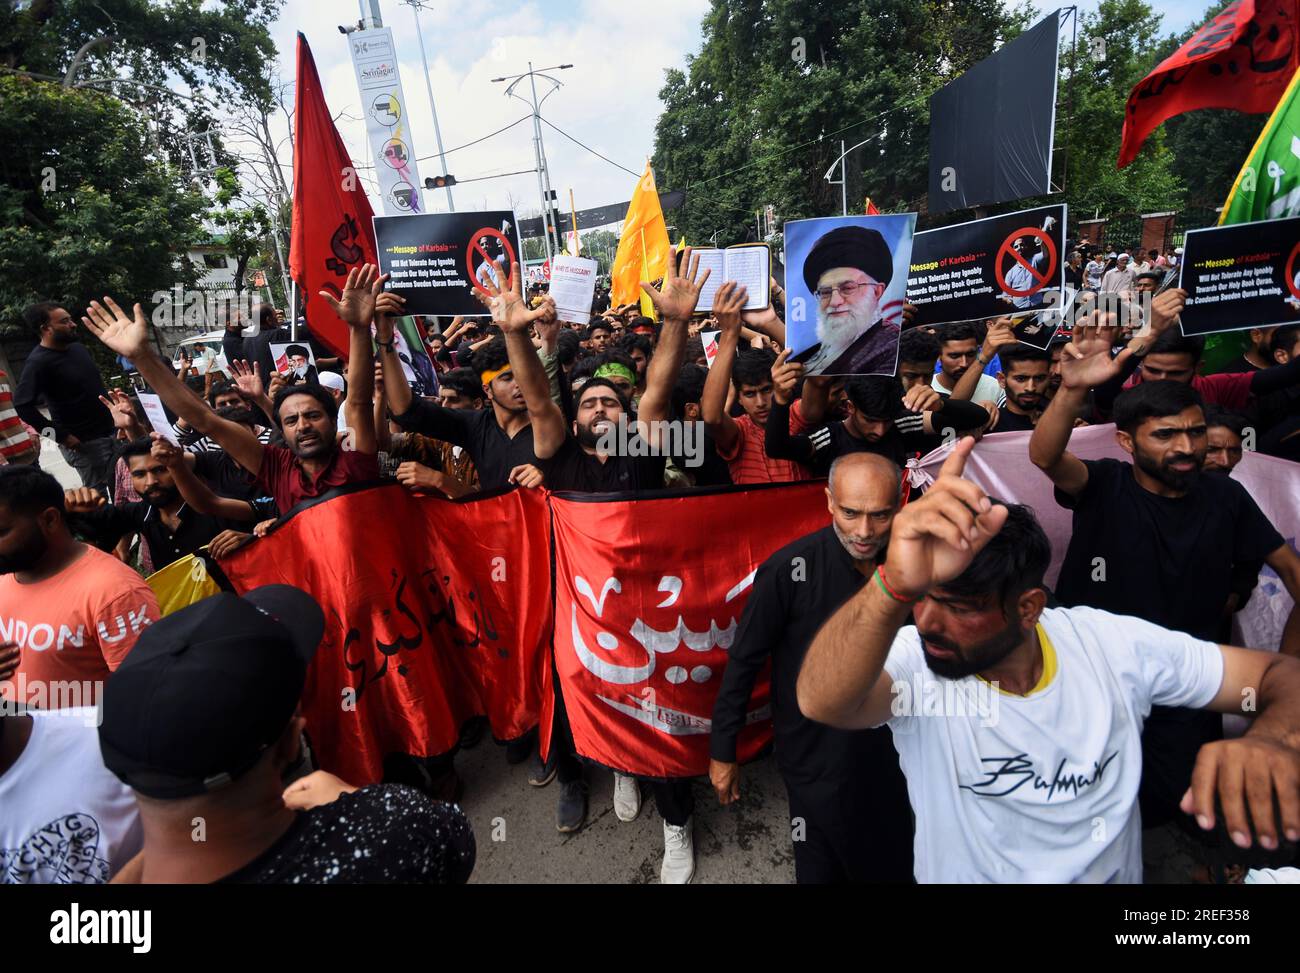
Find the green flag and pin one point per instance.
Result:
(1268, 186)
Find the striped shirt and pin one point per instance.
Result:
(16, 443)
(749, 462)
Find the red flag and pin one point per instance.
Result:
(870, 209)
(648, 594)
(1241, 59)
(435, 611)
(332, 232)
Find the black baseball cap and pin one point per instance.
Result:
(205, 690)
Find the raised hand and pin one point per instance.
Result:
(388, 307)
(248, 379)
(509, 311)
(163, 451)
(1165, 309)
(1001, 333)
(935, 538)
(677, 297)
(357, 306)
(785, 376)
(83, 500)
(727, 302)
(127, 336)
(119, 404)
(1086, 361)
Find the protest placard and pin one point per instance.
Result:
(1010, 264)
(438, 260)
(1242, 276)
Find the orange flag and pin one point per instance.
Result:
(643, 247)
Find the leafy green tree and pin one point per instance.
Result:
(85, 210)
(246, 227)
(758, 116)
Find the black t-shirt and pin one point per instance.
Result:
(107, 525)
(573, 468)
(70, 384)
(226, 477)
(494, 453)
(784, 612)
(382, 834)
(1009, 421)
(1168, 560)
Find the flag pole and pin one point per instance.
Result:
(573, 210)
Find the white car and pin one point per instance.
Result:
(215, 357)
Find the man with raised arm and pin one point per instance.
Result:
(312, 462)
(1044, 788)
(499, 440)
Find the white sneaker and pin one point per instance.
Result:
(627, 797)
(679, 854)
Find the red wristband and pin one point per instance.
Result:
(888, 590)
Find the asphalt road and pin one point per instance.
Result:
(514, 825)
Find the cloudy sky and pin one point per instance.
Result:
(609, 100)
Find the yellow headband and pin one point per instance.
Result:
(487, 376)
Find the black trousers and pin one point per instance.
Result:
(856, 828)
(568, 767)
(675, 801)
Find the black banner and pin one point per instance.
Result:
(991, 128)
(1010, 264)
(597, 215)
(438, 259)
(1241, 276)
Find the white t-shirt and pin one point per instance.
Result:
(64, 818)
(1048, 791)
(987, 388)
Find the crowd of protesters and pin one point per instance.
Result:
(1111, 686)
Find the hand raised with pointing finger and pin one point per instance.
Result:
(934, 539)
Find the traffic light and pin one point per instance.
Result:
(439, 182)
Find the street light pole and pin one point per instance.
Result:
(416, 7)
(550, 233)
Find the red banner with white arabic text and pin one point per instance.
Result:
(648, 596)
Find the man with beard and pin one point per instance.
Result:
(73, 610)
(848, 270)
(882, 419)
(1043, 788)
(61, 372)
(499, 440)
(313, 462)
(609, 448)
(1154, 539)
(301, 370)
(171, 528)
(844, 785)
(1224, 433)
(1029, 270)
(1025, 377)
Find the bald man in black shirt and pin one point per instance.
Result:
(848, 800)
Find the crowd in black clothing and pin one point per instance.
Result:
(527, 399)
